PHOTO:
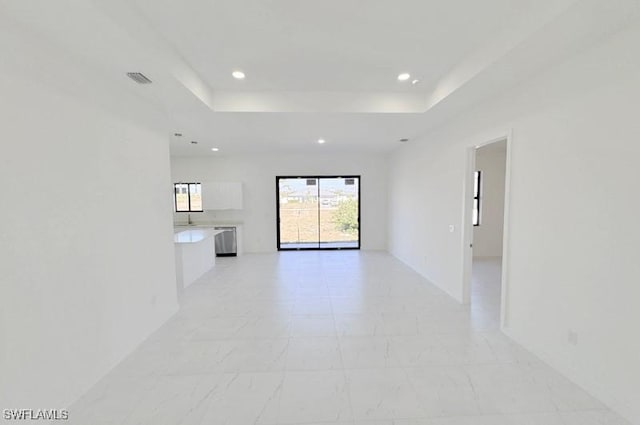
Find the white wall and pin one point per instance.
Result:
(258, 174)
(86, 242)
(491, 160)
(573, 261)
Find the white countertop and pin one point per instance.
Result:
(194, 235)
(209, 224)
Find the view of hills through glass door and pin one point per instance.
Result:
(318, 212)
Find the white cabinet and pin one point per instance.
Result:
(222, 195)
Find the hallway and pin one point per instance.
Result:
(332, 338)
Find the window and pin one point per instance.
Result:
(477, 182)
(188, 197)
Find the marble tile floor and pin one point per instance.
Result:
(334, 337)
(486, 287)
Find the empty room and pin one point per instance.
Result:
(292, 212)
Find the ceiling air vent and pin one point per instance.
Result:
(138, 77)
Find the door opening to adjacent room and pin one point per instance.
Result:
(318, 212)
(487, 197)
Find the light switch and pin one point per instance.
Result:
(452, 228)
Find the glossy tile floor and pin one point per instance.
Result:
(334, 338)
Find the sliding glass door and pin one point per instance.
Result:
(318, 212)
(339, 212)
(298, 213)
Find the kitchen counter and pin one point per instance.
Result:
(194, 252)
(194, 235)
(210, 223)
(209, 226)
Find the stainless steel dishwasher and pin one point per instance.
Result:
(226, 242)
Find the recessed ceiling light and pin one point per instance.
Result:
(215, 149)
(414, 82)
(404, 140)
(321, 141)
(238, 75)
(404, 77)
(193, 142)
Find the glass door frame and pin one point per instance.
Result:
(319, 178)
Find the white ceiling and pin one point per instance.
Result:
(329, 45)
(315, 69)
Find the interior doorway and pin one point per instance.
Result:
(485, 232)
(318, 212)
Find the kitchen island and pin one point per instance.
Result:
(194, 252)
